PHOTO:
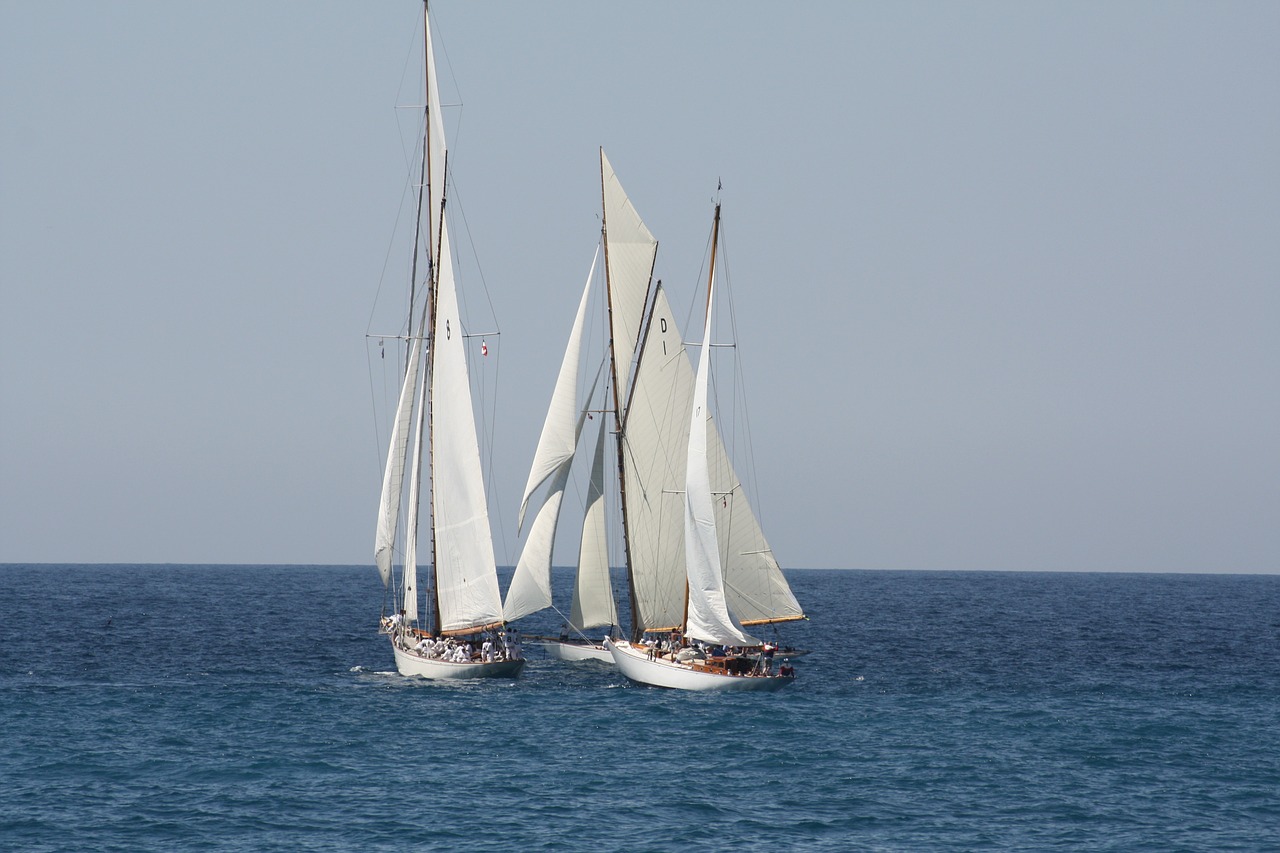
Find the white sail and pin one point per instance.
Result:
(655, 446)
(593, 603)
(465, 570)
(530, 589)
(559, 436)
(630, 251)
(393, 474)
(708, 615)
(411, 517)
(435, 152)
(755, 587)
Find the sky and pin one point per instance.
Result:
(1006, 275)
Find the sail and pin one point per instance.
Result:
(593, 603)
(630, 251)
(754, 584)
(655, 444)
(393, 475)
(708, 615)
(530, 589)
(410, 603)
(465, 570)
(435, 149)
(559, 436)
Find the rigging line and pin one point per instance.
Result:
(740, 393)
(492, 467)
(569, 622)
(466, 227)
(373, 405)
(386, 260)
(740, 426)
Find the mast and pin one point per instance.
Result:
(636, 631)
(433, 252)
(711, 279)
(618, 418)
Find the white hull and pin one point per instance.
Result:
(413, 664)
(635, 663)
(576, 651)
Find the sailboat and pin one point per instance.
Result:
(698, 565)
(435, 426)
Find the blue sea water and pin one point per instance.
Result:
(252, 708)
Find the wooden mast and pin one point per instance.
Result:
(711, 278)
(636, 630)
(433, 255)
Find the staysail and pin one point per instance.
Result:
(559, 436)
(593, 603)
(708, 616)
(393, 475)
(530, 589)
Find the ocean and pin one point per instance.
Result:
(254, 708)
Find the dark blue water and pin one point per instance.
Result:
(251, 709)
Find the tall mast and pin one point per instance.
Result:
(433, 252)
(711, 280)
(715, 241)
(636, 632)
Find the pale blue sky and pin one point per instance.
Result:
(1007, 275)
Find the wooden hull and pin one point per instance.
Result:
(576, 651)
(412, 664)
(635, 663)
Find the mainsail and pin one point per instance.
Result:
(465, 569)
(630, 251)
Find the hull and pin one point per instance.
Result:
(576, 651)
(636, 665)
(413, 664)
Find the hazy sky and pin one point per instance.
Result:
(1007, 275)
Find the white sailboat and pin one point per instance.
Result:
(435, 425)
(592, 604)
(698, 565)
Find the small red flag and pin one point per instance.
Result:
(484, 348)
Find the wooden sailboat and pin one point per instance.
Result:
(464, 633)
(731, 580)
